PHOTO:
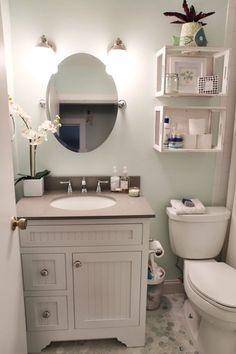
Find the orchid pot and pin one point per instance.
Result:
(33, 187)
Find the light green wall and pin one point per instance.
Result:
(90, 26)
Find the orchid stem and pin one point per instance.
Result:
(32, 160)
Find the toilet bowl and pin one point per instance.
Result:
(211, 290)
(210, 286)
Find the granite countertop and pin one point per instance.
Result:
(125, 207)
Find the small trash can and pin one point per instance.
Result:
(155, 289)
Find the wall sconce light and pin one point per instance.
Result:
(44, 55)
(117, 58)
(44, 43)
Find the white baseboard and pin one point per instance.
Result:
(173, 286)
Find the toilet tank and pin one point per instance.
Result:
(198, 236)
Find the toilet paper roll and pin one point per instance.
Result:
(190, 141)
(156, 248)
(204, 141)
(197, 126)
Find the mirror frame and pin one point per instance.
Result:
(119, 104)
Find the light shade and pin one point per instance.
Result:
(44, 55)
(117, 58)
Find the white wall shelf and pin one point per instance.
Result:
(198, 62)
(179, 120)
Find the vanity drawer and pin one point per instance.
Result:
(82, 235)
(44, 271)
(46, 313)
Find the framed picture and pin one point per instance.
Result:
(188, 70)
(208, 85)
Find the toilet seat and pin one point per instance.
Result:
(214, 282)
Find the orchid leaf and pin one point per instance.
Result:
(42, 174)
(37, 176)
(17, 180)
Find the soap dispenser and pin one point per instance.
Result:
(115, 180)
(124, 180)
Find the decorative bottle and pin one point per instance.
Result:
(124, 180)
(115, 180)
(166, 132)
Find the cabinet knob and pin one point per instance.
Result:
(46, 314)
(77, 264)
(44, 272)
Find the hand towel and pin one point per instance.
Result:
(181, 209)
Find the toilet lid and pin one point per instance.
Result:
(215, 281)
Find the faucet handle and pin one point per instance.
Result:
(69, 189)
(99, 189)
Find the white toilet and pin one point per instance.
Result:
(210, 309)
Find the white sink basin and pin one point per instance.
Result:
(83, 203)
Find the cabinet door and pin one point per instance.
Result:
(107, 289)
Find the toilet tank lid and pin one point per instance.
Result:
(213, 214)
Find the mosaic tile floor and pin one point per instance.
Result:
(165, 333)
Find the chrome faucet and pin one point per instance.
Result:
(99, 189)
(84, 186)
(69, 189)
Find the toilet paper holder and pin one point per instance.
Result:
(155, 273)
(156, 248)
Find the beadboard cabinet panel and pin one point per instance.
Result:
(108, 283)
(82, 235)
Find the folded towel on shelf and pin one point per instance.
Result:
(181, 208)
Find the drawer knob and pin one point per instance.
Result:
(77, 264)
(44, 272)
(46, 314)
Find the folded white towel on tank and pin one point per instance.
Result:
(180, 208)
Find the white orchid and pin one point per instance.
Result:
(35, 137)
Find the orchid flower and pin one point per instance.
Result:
(35, 137)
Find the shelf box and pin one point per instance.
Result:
(202, 61)
(214, 125)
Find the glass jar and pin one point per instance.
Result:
(176, 142)
(172, 83)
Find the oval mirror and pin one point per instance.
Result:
(85, 97)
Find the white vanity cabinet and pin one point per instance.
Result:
(85, 279)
